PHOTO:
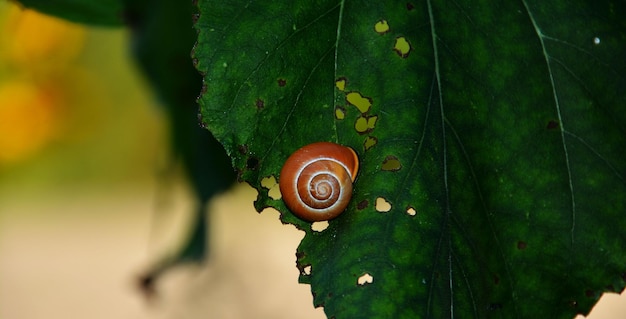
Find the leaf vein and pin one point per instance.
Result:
(492, 228)
(434, 37)
(557, 105)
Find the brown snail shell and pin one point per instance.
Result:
(316, 180)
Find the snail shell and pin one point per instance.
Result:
(316, 180)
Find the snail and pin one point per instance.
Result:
(316, 180)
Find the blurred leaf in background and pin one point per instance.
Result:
(161, 41)
(101, 12)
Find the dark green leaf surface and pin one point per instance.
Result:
(498, 140)
(93, 12)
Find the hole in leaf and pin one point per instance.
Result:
(282, 82)
(274, 193)
(306, 270)
(362, 103)
(370, 141)
(521, 245)
(340, 113)
(402, 47)
(341, 83)
(269, 182)
(411, 211)
(319, 226)
(365, 124)
(410, 6)
(371, 122)
(391, 163)
(381, 27)
(361, 126)
(365, 279)
(382, 205)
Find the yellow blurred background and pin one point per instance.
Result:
(86, 207)
(87, 204)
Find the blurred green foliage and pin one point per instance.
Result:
(161, 40)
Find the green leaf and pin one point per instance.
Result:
(496, 132)
(99, 12)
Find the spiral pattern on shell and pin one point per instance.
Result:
(316, 180)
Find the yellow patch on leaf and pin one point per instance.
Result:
(362, 103)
